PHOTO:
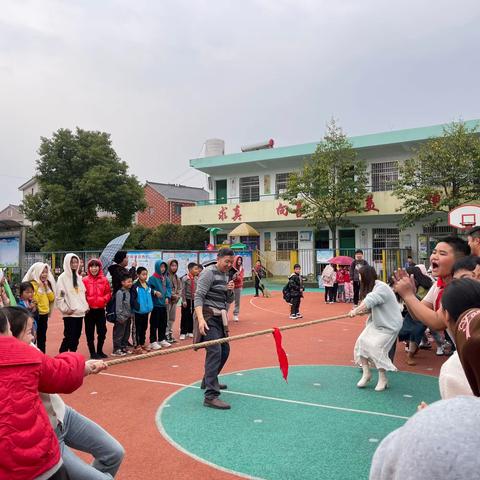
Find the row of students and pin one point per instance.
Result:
(150, 302)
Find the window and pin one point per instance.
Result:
(177, 208)
(268, 241)
(249, 189)
(286, 241)
(281, 183)
(440, 230)
(383, 176)
(151, 211)
(384, 238)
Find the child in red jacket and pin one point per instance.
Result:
(25, 429)
(348, 285)
(98, 293)
(341, 285)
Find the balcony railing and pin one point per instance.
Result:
(230, 200)
(271, 196)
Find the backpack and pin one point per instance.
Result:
(110, 311)
(287, 296)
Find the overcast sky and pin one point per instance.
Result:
(163, 76)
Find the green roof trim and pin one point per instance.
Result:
(306, 149)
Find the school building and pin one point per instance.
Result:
(247, 187)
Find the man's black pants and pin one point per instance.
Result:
(216, 356)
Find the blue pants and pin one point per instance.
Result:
(85, 435)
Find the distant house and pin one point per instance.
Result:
(165, 202)
(29, 188)
(12, 215)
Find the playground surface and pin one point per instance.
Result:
(316, 426)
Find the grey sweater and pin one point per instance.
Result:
(212, 289)
(123, 310)
(426, 449)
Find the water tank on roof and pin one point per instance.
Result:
(214, 147)
(259, 146)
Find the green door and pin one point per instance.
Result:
(346, 242)
(221, 191)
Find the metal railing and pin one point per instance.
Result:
(233, 200)
(385, 260)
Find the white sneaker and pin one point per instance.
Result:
(118, 353)
(155, 346)
(298, 315)
(190, 335)
(164, 343)
(293, 317)
(182, 337)
(235, 318)
(440, 351)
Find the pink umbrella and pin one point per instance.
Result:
(341, 260)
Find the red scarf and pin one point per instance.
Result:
(441, 285)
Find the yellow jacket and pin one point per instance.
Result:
(42, 297)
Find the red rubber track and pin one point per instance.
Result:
(126, 408)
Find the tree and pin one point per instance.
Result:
(80, 175)
(177, 237)
(331, 185)
(443, 174)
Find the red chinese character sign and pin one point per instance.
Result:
(298, 209)
(236, 213)
(434, 199)
(222, 214)
(282, 209)
(370, 205)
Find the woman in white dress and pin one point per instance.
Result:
(381, 330)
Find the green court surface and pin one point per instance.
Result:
(318, 426)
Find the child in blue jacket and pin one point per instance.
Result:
(162, 291)
(142, 303)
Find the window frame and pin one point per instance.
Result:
(383, 175)
(285, 245)
(177, 206)
(390, 240)
(251, 191)
(282, 182)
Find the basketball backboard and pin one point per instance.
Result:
(465, 217)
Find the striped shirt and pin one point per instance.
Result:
(212, 289)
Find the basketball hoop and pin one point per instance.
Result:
(468, 220)
(465, 217)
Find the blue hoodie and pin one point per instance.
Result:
(143, 298)
(160, 283)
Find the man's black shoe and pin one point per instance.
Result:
(216, 403)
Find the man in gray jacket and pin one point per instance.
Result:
(215, 291)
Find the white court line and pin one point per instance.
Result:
(339, 322)
(264, 397)
(267, 310)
